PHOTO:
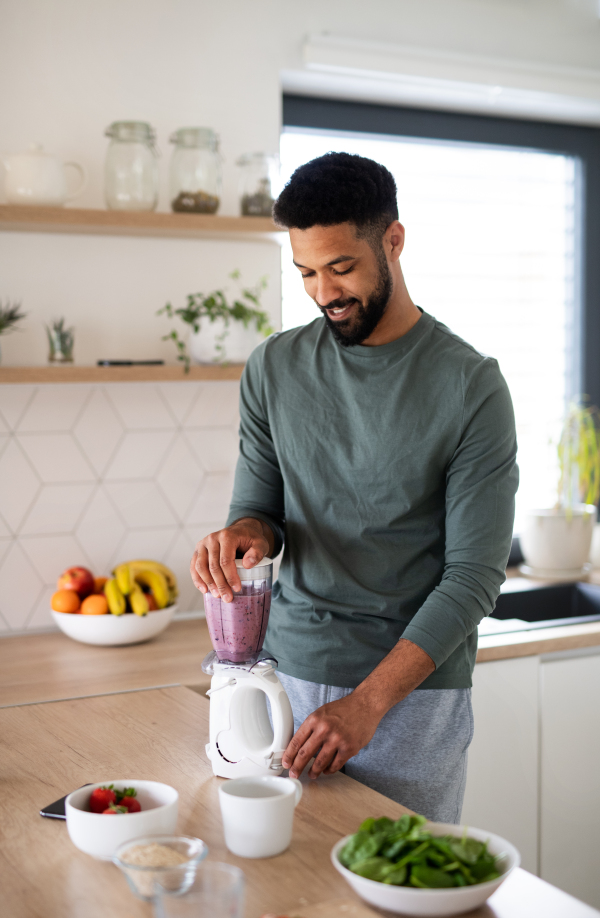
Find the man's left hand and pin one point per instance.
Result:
(332, 733)
(338, 730)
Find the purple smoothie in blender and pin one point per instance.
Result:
(237, 629)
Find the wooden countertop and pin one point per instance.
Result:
(49, 749)
(531, 643)
(51, 666)
(48, 667)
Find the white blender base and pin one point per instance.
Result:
(246, 768)
(244, 741)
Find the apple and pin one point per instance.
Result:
(79, 579)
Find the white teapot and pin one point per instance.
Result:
(36, 177)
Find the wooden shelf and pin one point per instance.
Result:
(136, 223)
(66, 374)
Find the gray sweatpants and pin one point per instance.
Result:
(418, 755)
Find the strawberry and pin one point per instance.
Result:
(127, 798)
(115, 809)
(101, 798)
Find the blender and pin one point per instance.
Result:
(244, 740)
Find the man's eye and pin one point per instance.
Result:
(310, 274)
(341, 273)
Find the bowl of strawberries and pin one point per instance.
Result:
(101, 817)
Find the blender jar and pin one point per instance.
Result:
(237, 629)
(195, 173)
(131, 167)
(258, 184)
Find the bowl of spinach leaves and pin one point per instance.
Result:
(415, 867)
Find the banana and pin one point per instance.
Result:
(124, 578)
(138, 600)
(114, 597)
(157, 583)
(147, 565)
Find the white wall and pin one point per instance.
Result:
(100, 474)
(70, 68)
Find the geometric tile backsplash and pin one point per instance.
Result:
(95, 474)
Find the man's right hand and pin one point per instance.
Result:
(213, 562)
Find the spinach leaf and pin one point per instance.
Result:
(426, 877)
(393, 846)
(467, 850)
(484, 869)
(402, 825)
(352, 850)
(372, 868)
(413, 855)
(395, 877)
(383, 825)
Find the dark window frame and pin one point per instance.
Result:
(581, 142)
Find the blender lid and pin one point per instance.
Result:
(260, 572)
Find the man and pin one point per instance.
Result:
(380, 448)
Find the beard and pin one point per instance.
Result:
(359, 327)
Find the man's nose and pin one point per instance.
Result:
(327, 291)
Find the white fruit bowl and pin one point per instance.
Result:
(405, 900)
(112, 630)
(100, 835)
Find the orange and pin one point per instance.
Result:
(65, 601)
(99, 584)
(94, 605)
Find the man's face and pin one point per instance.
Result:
(348, 281)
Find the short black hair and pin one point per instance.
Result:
(339, 188)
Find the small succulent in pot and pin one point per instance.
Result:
(60, 341)
(10, 316)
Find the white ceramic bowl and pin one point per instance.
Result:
(114, 629)
(101, 835)
(406, 900)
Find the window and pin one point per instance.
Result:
(493, 251)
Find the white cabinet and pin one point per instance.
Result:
(503, 769)
(570, 775)
(534, 764)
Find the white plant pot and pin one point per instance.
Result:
(595, 552)
(554, 546)
(238, 343)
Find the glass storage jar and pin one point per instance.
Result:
(131, 168)
(259, 182)
(195, 173)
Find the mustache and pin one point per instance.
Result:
(337, 304)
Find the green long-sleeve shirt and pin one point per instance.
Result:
(389, 472)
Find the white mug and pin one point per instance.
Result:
(258, 814)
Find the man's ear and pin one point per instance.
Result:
(393, 239)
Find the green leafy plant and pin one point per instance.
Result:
(10, 316)
(579, 458)
(60, 341)
(245, 309)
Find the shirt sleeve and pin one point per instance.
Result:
(481, 483)
(258, 485)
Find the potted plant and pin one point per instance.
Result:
(10, 316)
(556, 543)
(212, 340)
(60, 342)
